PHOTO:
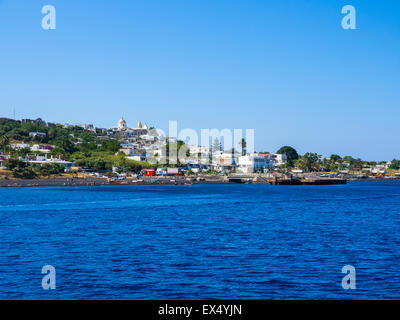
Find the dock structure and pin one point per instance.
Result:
(324, 181)
(286, 180)
(239, 179)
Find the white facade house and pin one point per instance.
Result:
(148, 138)
(34, 134)
(378, 170)
(42, 148)
(137, 155)
(20, 146)
(251, 163)
(279, 159)
(201, 153)
(89, 127)
(269, 159)
(223, 159)
(199, 149)
(297, 171)
(159, 153)
(382, 166)
(44, 160)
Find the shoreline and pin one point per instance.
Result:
(88, 182)
(97, 182)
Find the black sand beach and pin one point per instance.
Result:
(69, 182)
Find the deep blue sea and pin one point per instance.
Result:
(201, 241)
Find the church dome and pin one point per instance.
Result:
(121, 123)
(139, 125)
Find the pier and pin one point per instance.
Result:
(286, 180)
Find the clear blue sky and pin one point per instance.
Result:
(285, 68)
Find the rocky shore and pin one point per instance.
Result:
(72, 182)
(180, 180)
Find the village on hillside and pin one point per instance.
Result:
(35, 148)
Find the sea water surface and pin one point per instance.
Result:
(201, 241)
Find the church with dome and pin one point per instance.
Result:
(122, 127)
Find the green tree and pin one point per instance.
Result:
(99, 164)
(19, 169)
(22, 152)
(395, 165)
(66, 144)
(48, 169)
(334, 158)
(23, 173)
(43, 170)
(133, 166)
(58, 152)
(217, 146)
(4, 141)
(12, 164)
(348, 159)
(309, 162)
(110, 146)
(290, 152)
(356, 164)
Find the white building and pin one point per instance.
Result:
(279, 159)
(137, 155)
(148, 138)
(378, 170)
(200, 152)
(41, 160)
(34, 134)
(199, 149)
(382, 166)
(20, 146)
(122, 127)
(88, 127)
(297, 171)
(223, 158)
(269, 159)
(42, 148)
(251, 163)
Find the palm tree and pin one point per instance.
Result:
(243, 145)
(309, 162)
